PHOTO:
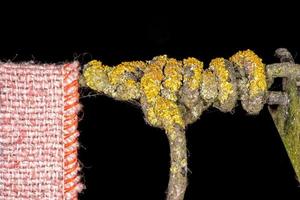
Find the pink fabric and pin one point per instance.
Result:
(32, 133)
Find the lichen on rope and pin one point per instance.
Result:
(227, 96)
(174, 93)
(253, 83)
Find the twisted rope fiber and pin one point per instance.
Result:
(173, 94)
(38, 136)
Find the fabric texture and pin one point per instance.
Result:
(38, 131)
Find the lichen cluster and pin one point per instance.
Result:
(119, 82)
(254, 83)
(173, 92)
(190, 101)
(159, 86)
(193, 75)
(227, 95)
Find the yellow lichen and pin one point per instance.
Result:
(168, 113)
(95, 75)
(159, 82)
(225, 87)
(209, 86)
(161, 111)
(118, 73)
(196, 68)
(122, 77)
(151, 117)
(117, 82)
(183, 162)
(256, 71)
(150, 86)
(94, 63)
(173, 75)
(174, 169)
(153, 76)
(258, 84)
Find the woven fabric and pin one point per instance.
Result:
(38, 131)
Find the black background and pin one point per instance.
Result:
(232, 155)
